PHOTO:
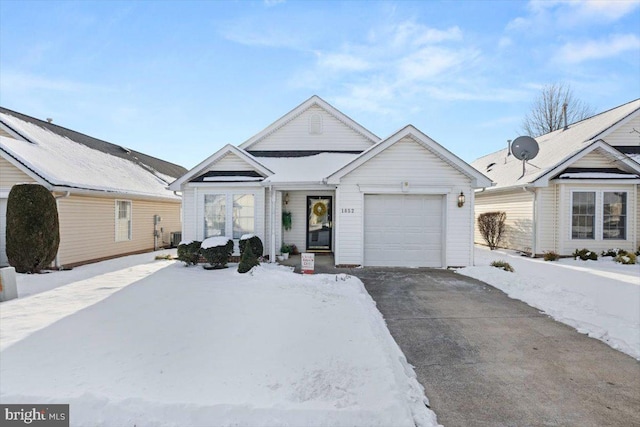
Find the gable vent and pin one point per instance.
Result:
(315, 124)
(489, 166)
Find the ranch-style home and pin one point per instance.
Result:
(111, 201)
(401, 201)
(580, 191)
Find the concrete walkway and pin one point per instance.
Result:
(487, 360)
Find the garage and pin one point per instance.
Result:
(402, 230)
(3, 226)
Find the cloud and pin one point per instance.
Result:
(271, 3)
(342, 62)
(615, 45)
(12, 81)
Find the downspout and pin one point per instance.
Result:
(534, 242)
(64, 196)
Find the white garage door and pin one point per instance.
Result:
(403, 230)
(3, 227)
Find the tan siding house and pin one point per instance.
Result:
(111, 201)
(370, 202)
(581, 191)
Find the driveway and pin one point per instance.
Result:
(487, 360)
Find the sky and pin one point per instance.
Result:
(179, 80)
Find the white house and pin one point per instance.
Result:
(580, 191)
(372, 202)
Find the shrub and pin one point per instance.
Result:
(613, 252)
(626, 258)
(189, 253)
(585, 254)
(217, 250)
(491, 226)
(551, 256)
(503, 265)
(254, 242)
(33, 229)
(248, 260)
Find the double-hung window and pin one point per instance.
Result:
(599, 215)
(123, 220)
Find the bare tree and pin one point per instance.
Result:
(546, 111)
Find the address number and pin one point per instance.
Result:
(348, 210)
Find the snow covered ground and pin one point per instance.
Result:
(599, 298)
(185, 346)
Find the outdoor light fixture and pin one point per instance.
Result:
(461, 199)
(286, 198)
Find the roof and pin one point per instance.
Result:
(313, 168)
(65, 159)
(557, 148)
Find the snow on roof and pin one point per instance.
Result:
(66, 163)
(311, 169)
(506, 171)
(598, 175)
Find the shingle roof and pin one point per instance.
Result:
(162, 166)
(70, 160)
(555, 147)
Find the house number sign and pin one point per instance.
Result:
(347, 210)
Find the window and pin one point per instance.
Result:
(123, 220)
(243, 214)
(614, 215)
(583, 215)
(215, 213)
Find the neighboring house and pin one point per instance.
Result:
(581, 191)
(370, 202)
(107, 195)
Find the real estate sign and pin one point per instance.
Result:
(308, 261)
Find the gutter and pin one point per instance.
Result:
(534, 242)
(64, 196)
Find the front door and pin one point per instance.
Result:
(319, 216)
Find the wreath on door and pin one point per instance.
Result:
(319, 209)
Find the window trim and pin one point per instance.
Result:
(229, 194)
(117, 218)
(598, 226)
(595, 215)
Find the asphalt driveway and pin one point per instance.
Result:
(487, 360)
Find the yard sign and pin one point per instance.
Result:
(307, 261)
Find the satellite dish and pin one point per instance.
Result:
(524, 148)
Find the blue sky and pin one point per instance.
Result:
(178, 80)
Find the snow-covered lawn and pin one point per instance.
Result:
(599, 298)
(189, 347)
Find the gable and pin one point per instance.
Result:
(595, 159)
(628, 134)
(11, 175)
(314, 129)
(229, 162)
(406, 160)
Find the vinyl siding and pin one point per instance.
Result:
(230, 162)
(567, 245)
(409, 161)
(547, 219)
(626, 135)
(595, 159)
(518, 205)
(5, 133)
(295, 135)
(87, 227)
(188, 214)
(11, 175)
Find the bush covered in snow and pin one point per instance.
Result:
(551, 256)
(217, 250)
(255, 243)
(33, 230)
(491, 226)
(626, 258)
(248, 260)
(189, 252)
(585, 254)
(613, 252)
(503, 265)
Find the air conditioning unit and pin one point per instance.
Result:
(176, 238)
